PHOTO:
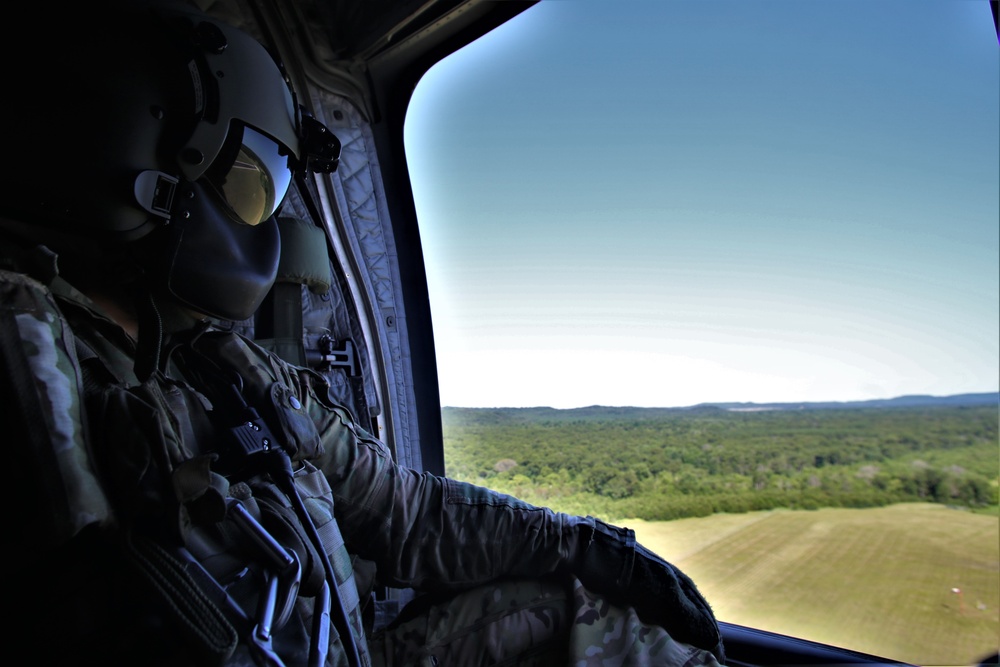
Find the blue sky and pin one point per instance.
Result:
(669, 202)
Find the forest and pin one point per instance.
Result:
(667, 463)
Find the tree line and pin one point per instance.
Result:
(660, 464)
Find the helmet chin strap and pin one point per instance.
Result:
(158, 316)
(150, 340)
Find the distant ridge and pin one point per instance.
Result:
(957, 400)
(990, 398)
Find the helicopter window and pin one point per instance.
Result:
(670, 204)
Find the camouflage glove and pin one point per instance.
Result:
(613, 564)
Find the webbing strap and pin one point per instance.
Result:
(279, 322)
(201, 620)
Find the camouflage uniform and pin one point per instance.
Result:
(529, 622)
(122, 486)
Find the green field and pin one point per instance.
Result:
(876, 580)
(810, 562)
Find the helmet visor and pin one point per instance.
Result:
(257, 180)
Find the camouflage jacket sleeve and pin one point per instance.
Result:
(40, 386)
(427, 532)
(422, 530)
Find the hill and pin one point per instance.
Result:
(601, 411)
(898, 402)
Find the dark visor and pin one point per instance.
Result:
(256, 182)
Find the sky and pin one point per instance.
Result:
(662, 203)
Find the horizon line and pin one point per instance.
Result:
(991, 394)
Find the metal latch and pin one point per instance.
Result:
(330, 355)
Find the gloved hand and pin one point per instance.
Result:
(611, 563)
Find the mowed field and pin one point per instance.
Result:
(880, 580)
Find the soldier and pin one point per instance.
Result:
(186, 497)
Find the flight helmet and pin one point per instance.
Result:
(167, 135)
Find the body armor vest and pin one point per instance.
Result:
(221, 511)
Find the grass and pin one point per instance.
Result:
(877, 580)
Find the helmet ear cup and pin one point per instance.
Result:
(94, 107)
(213, 264)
